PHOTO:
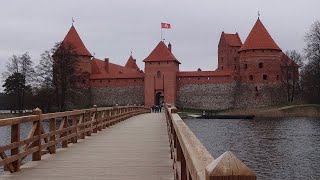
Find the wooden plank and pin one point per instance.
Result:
(11, 159)
(17, 120)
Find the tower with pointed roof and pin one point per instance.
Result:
(73, 43)
(161, 68)
(259, 57)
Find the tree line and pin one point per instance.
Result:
(49, 85)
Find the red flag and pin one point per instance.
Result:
(165, 25)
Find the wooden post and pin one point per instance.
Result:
(228, 166)
(64, 124)
(89, 114)
(15, 137)
(95, 120)
(52, 128)
(183, 167)
(36, 156)
(75, 129)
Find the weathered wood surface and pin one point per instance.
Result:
(133, 149)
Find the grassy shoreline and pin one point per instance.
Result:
(302, 110)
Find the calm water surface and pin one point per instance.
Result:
(274, 148)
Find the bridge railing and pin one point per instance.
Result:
(191, 160)
(64, 128)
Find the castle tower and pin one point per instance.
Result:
(259, 57)
(228, 56)
(161, 68)
(73, 43)
(131, 63)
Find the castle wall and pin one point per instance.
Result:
(254, 95)
(206, 96)
(112, 95)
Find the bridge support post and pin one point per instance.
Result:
(228, 166)
(15, 137)
(52, 128)
(36, 156)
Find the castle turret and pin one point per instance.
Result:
(73, 43)
(228, 56)
(259, 57)
(131, 63)
(161, 68)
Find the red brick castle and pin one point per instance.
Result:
(248, 74)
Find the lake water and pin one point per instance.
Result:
(286, 148)
(5, 135)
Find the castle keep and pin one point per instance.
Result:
(248, 74)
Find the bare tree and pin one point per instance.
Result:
(290, 73)
(19, 67)
(311, 71)
(44, 91)
(65, 74)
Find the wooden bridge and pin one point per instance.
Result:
(145, 146)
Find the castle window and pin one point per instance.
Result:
(265, 77)
(289, 76)
(167, 62)
(159, 63)
(198, 78)
(277, 77)
(251, 78)
(83, 81)
(260, 65)
(222, 67)
(150, 63)
(100, 81)
(245, 66)
(135, 80)
(108, 80)
(208, 78)
(235, 67)
(158, 74)
(256, 88)
(222, 59)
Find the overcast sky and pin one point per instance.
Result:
(111, 28)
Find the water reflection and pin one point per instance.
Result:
(273, 148)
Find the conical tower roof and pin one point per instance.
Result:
(259, 38)
(73, 39)
(161, 53)
(131, 63)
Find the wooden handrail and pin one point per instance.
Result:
(192, 160)
(72, 125)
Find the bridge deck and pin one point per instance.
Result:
(136, 148)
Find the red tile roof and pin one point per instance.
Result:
(259, 38)
(72, 38)
(99, 70)
(232, 39)
(161, 53)
(131, 63)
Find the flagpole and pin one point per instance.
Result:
(161, 34)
